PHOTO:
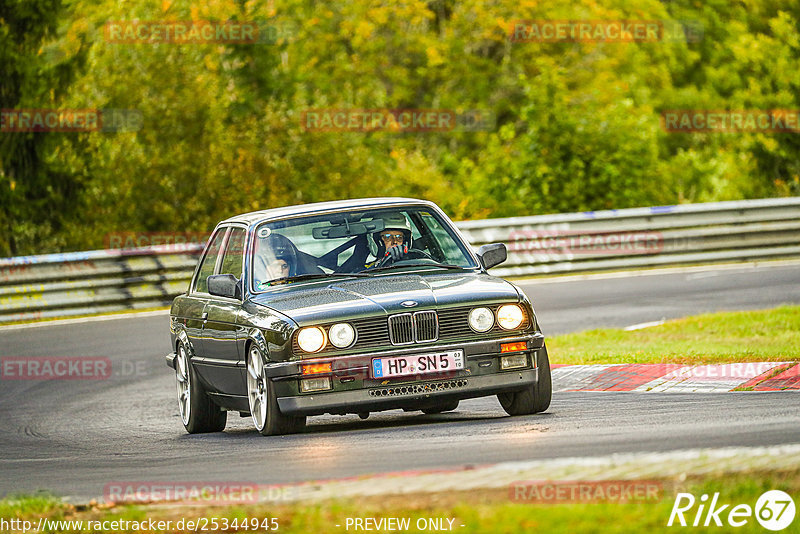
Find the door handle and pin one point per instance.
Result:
(204, 317)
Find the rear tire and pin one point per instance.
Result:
(534, 399)
(267, 417)
(198, 412)
(443, 407)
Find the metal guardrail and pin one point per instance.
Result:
(61, 285)
(643, 237)
(79, 283)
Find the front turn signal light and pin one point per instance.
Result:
(316, 368)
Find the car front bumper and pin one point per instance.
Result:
(410, 395)
(482, 376)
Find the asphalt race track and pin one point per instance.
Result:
(74, 437)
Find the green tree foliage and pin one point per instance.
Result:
(38, 193)
(577, 123)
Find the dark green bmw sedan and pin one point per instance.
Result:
(350, 307)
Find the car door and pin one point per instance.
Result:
(193, 306)
(221, 358)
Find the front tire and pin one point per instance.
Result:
(198, 412)
(267, 417)
(534, 399)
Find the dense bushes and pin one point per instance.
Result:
(577, 124)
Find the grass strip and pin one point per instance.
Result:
(722, 337)
(481, 511)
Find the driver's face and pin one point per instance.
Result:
(392, 238)
(278, 269)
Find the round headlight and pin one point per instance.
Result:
(341, 335)
(510, 316)
(311, 339)
(481, 319)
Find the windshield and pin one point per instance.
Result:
(355, 243)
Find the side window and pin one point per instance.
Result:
(445, 242)
(209, 261)
(234, 253)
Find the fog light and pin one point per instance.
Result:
(315, 384)
(513, 362)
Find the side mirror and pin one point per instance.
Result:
(223, 285)
(491, 255)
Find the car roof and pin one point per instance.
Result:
(321, 207)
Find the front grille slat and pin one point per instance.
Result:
(427, 326)
(419, 327)
(401, 329)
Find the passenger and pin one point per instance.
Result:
(278, 269)
(276, 257)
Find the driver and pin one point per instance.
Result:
(394, 240)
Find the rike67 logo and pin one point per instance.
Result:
(774, 510)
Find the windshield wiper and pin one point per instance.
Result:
(448, 266)
(310, 276)
(440, 265)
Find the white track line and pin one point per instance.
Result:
(655, 272)
(641, 326)
(83, 320)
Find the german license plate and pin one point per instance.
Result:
(418, 364)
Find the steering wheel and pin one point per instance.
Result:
(412, 254)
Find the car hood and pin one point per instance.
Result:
(346, 298)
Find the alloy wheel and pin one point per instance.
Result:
(184, 385)
(257, 388)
